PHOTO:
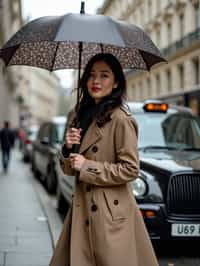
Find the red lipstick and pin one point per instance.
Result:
(95, 89)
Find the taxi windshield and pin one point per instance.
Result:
(173, 131)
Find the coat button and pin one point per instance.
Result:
(94, 148)
(94, 208)
(116, 202)
(88, 188)
(87, 222)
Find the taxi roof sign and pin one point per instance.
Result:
(156, 107)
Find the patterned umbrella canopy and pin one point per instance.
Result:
(61, 42)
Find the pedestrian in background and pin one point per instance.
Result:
(7, 143)
(104, 226)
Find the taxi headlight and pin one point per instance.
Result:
(139, 187)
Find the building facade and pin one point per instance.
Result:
(40, 91)
(10, 21)
(27, 95)
(174, 26)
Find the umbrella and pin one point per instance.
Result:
(69, 41)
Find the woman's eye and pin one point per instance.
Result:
(91, 75)
(104, 76)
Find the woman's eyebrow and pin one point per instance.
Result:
(105, 71)
(102, 71)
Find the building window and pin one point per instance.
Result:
(169, 32)
(148, 87)
(141, 90)
(181, 76)
(133, 92)
(197, 14)
(181, 19)
(169, 80)
(158, 5)
(196, 70)
(141, 15)
(150, 8)
(158, 85)
(158, 37)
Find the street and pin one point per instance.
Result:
(30, 224)
(25, 239)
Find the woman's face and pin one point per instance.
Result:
(101, 81)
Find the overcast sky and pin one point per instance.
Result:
(38, 8)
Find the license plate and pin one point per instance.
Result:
(185, 230)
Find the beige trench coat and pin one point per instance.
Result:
(104, 226)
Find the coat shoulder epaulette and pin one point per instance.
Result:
(126, 110)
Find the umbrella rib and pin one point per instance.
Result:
(146, 63)
(101, 45)
(54, 57)
(15, 50)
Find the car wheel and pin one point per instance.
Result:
(34, 168)
(62, 205)
(26, 158)
(51, 180)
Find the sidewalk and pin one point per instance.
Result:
(25, 239)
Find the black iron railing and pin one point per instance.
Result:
(185, 42)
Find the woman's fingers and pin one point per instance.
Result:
(72, 139)
(75, 130)
(73, 136)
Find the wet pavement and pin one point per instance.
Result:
(25, 239)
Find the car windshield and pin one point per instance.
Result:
(32, 134)
(61, 129)
(172, 131)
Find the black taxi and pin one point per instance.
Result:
(168, 187)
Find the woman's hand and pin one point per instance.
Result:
(72, 136)
(76, 161)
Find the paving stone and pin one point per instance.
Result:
(24, 233)
(27, 259)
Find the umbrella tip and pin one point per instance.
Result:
(82, 8)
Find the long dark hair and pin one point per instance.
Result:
(109, 102)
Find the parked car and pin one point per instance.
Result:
(45, 151)
(27, 144)
(167, 189)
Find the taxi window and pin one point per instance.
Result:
(182, 130)
(150, 131)
(176, 130)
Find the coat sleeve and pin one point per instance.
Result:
(65, 165)
(64, 153)
(126, 167)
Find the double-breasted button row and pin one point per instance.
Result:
(94, 149)
(94, 208)
(116, 202)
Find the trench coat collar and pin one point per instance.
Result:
(92, 135)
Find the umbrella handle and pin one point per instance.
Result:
(76, 148)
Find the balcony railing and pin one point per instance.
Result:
(185, 42)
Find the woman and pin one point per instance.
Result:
(104, 227)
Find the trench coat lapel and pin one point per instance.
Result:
(92, 135)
